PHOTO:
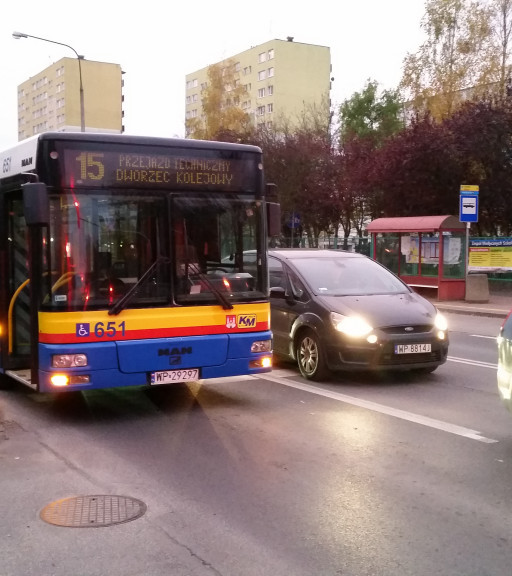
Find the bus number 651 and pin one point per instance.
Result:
(110, 329)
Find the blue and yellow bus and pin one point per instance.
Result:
(129, 261)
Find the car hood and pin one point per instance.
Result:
(384, 309)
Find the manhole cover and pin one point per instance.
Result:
(92, 511)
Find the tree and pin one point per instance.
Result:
(453, 62)
(370, 115)
(367, 120)
(418, 172)
(220, 100)
(502, 28)
(483, 133)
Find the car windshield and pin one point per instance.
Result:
(344, 276)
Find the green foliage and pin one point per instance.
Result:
(370, 115)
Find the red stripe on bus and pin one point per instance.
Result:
(149, 333)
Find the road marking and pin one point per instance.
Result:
(375, 407)
(473, 362)
(481, 336)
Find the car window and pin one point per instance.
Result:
(343, 276)
(297, 287)
(276, 274)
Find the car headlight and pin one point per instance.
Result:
(353, 326)
(440, 322)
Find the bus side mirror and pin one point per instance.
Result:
(274, 218)
(35, 204)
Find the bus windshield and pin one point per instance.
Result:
(174, 249)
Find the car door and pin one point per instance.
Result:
(286, 303)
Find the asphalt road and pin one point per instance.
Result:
(270, 476)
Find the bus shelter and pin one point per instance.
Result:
(424, 251)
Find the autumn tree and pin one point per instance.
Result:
(221, 111)
(501, 21)
(453, 62)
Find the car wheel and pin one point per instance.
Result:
(310, 357)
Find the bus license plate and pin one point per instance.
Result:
(412, 348)
(170, 376)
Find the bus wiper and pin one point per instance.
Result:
(123, 301)
(226, 304)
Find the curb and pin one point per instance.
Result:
(492, 313)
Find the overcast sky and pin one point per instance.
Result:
(158, 42)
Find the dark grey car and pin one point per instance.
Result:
(334, 310)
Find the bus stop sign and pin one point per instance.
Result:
(468, 204)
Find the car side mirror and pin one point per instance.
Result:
(278, 292)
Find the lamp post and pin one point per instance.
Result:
(18, 35)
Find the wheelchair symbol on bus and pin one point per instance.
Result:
(83, 330)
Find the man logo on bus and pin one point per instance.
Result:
(247, 321)
(230, 321)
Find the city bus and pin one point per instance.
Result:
(132, 261)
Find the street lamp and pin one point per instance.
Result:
(18, 35)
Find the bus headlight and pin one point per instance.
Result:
(68, 360)
(261, 346)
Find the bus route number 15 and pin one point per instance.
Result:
(91, 165)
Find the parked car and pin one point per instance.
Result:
(342, 311)
(505, 362)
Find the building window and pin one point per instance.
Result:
(189, 99)
(262, 57)
(262, 74)
(270, 107)
(260, 110)
(270, 72)
(195, 97)
(271, 54)
(261, 92)
(204, 85)
(237, 67)
(247, 87)
(270, 90)
(247, 70)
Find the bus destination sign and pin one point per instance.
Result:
(86, 168)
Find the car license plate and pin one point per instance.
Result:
(170, 376)
(412, 348)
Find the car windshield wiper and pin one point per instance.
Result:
(123, 301)
(226, 304)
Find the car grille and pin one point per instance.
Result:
(407, 329)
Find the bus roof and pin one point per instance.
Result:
(22, 158)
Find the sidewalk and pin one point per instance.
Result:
(498, 306)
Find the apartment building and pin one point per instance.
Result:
(51, 99)
(282, 78)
